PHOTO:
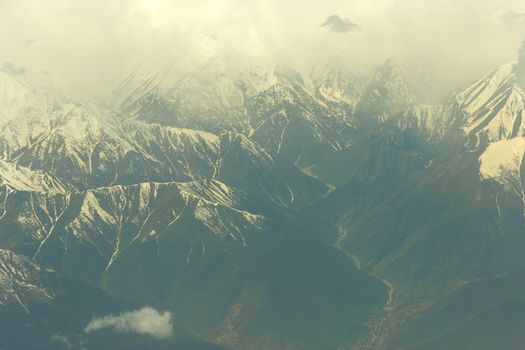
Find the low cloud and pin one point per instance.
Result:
(144, 321)
(338, 24)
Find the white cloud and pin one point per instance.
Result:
(144, 321)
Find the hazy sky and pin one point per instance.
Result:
(75, 43)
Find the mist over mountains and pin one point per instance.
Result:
(208, 195)
(74, 46)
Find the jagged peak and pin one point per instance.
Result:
(494, 106)
(500, 79)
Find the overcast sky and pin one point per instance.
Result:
(76, 42)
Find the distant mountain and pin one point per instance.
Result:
(228, 93)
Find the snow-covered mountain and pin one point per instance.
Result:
(493, 110)
(230, 93)
(90, 146)
(264, 209)
(86, 192)
(210, 96)
(494, 106)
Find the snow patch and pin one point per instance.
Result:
(502, 158)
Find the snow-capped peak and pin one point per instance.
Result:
(494, 106)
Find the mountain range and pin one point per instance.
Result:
(263, 208)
